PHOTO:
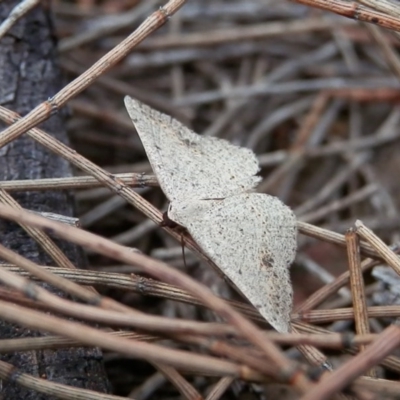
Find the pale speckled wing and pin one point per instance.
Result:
(188, 165)
(253, 239)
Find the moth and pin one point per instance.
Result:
(210, 183)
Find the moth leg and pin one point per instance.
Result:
(167, 221)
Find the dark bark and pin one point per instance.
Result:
(29, 74)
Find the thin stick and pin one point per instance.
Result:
(184, 387)
(322, 294)
(345, 374)
(94, 337)
(16, 13)
(385, 6)
(351, 9)
(381, 248)
(334, 238)
(53, 389)
(220, 388)
(39, 236)
(357, 287)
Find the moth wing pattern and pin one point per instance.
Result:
(188, 165)
(252, 238)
